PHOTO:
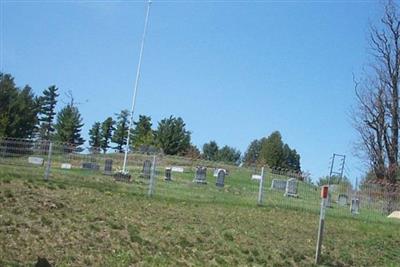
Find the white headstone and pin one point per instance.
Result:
(67, 166)
(355, 206)
(36, 160)
(216, 171)
(256, 177)
(342, 200)
(177, 169)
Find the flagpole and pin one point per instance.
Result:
(136, 86)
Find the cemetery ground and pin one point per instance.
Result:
(82, 218)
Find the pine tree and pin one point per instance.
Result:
(69, 126)
(121, 131)
(171, 136)
(47, 112)
(142, 135)
(210, 150)
(18, 109)
(107, 128)
(95, 137)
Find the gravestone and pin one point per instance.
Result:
(168, 174)
(201, 174)
(177, 169)
(221, 178)
(278, 184)
(66, 166)
(342, 200)
(90, 166)
(355, 206)
(108, 170)
(35, 160)
(256, 177)
(122, 177)
(146, 171)
(291, 188)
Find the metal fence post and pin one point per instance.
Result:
(48, 167)
(261, 188)
(324, 196)
(152, 177)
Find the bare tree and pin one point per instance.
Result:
(377, 115)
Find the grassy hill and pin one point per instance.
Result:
(81, 218)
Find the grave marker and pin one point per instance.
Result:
(291, 188)
(221, 178)
(90, 166)
(177, 169)
(36, 160)
(66, 166)
(201, 174)
(168, 174)
(146, 171)
(342, 200)
(108, 167)
(278, 184)
(355, 206)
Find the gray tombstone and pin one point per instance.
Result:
(201, 174)
(146, 171)
(168, 174)
(355, 206)
(122, 177)
(278, 184)
(342, 200)
(108, 167)
(291, 188)
(221, 178)
(90, 166)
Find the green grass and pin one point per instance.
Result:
(81, 218)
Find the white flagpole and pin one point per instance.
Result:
(136, 85)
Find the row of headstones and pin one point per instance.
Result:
(201, 175)
(85, 165)
(290, 188)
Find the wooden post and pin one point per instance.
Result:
(152, 177)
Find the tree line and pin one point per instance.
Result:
(25, 115)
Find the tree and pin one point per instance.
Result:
(252, 154)
(95, 137)
(47, 112)
(107, 128)
(121, 131)
(69, 125)
(376, 116)
(272, 150)
(210, 151)
(192, 152)
(142, 135)
(291, 158)
(171, 136)
(18, 109)
(228, 155)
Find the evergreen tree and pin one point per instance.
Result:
(210, 151)
(272, 150)
(47, 112)
(192, 152)
(252, 154)
(95, 137)
(142, 135)
(18, 109)
(107, 128)
(69, 126)
(171, 136)
(121, 131)
(229, 155)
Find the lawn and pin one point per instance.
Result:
(82, 218)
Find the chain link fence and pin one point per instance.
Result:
(195, 180)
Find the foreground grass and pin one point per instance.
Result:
(93, 222)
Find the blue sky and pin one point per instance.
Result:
(234, 71)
